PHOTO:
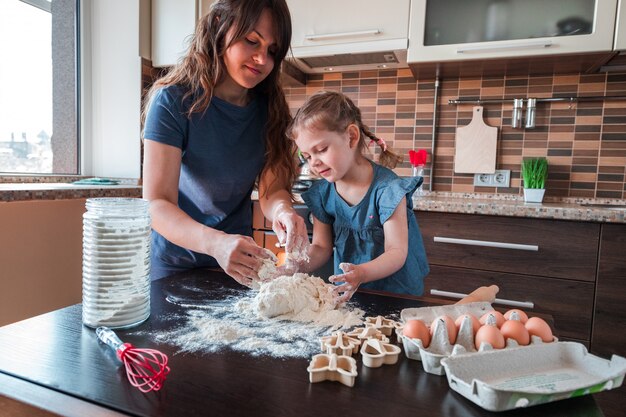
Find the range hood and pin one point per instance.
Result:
(350, 57)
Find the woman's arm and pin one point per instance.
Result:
(236, 254)
(277, 207)
(389, 262)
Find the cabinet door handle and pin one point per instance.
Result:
(342, 34)
(458, 295)
(508, 46)
(470, 242)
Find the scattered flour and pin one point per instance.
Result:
(285, 318)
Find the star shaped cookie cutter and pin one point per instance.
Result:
(364, 333)
(386, 326)
(376, 353)
(325, 367)
(340, 343)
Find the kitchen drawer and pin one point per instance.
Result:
(550, 248)
(609, 322)
(569, 302)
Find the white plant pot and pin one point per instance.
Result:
(534, 195)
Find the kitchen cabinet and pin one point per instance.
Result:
(455, 31)
(620, 27)
(329, 33)
(609, 324)
(173, 22)
(549, 263)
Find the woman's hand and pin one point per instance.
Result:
(291, 230)
(352, 277)
(239, 257)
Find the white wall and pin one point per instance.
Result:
(111, 88)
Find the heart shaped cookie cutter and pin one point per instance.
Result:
(376, 353)
(325, 367)
(340, 343)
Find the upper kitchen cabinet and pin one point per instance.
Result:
(341, 34)
(483, 37)
(620, 27)
(173, 22)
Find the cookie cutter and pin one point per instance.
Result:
(340, 343)
(364, 333)
(376, 353)
(325, 367)
(386, 326)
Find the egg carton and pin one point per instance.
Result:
(505, 379)
(440, 346)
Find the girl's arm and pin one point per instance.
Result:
(277, 207)
(389, 262)
(161, 171)
(321, 249)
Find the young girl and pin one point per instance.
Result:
(362, 208)
(214, 125)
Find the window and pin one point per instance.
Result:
(38, 94)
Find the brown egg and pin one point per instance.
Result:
(498, 316)
(459, 321)
(513, 329)
(489, 334)
(538, 327)
(416, 329)
(449, 326)
(523, 317)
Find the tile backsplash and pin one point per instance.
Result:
(585, 142)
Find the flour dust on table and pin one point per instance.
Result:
(284, 318)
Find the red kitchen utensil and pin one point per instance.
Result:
(146, 368)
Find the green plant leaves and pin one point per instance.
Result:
(535, 172)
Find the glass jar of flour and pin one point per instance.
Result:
(116, 262)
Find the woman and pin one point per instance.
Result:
(215, 125)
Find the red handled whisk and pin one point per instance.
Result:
(146, 368)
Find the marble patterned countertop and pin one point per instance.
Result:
(575, 209)
(568, 208)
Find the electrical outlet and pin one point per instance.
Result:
(501, 178)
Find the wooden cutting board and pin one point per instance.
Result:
(476, 144)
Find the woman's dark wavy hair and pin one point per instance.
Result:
(202, 68)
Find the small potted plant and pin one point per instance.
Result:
(534, 174)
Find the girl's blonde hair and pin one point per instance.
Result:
(333, 111)
(202, 68)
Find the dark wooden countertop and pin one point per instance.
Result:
(55, 354)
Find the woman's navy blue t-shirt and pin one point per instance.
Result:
(222, 155)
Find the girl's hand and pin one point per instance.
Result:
(239, 257)
(290, 229)
(352, 277)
